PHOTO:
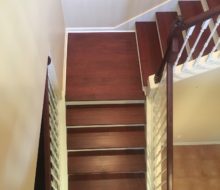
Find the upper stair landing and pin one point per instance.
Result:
(103, 66)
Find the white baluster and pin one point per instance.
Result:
(207, 42)
(189, 33)
(203, 27)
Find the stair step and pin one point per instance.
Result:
(149, 49)
(165, 21)
(109, 137)
(113, 161)
(105, 114)
(213, 4)
(190, 9)
(103, 66)
(126, 181)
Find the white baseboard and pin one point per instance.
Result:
(196, 143)
(95, 29)
(88, 29)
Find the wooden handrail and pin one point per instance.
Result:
(43, 170)
(200, 18)
(179, 25)
(169, 59)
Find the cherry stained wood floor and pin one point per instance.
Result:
(149, 49)
(103, 66)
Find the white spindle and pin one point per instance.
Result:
(156, 132)
(161, 185)
(54, 135)
(55, 176)
(160, 173)
(207, 42)
(54, 165)
(54, 185)
(203, 28)
(189, 33)
(213, 50)
(160, 162)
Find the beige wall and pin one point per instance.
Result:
(197, 109)
(30, 30)
(108, 13)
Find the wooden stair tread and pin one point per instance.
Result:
(111, 137)
(103, 66)
(106, 161)
(190, 9)
(213, 4)
(165, 21)
(105, 114)
(148, 45)
(128, 181)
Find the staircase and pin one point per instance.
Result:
(157, 33)
(107, 75)
(105, 113)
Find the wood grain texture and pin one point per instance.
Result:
(149, 49)
(122, 161)
(105, 114)
(112, 137)
(197, 167)
(213, 4)
(190, 9)
(165, 21)
(103, 66)
(108, 182)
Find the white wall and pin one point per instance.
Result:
(197, 108)
(104, 13)
(30, 30)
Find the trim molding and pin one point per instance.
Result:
(197, 143)
(94, 29)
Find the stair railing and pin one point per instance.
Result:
(160, 97)
(48, 164)
(160, 127)
(201, 21)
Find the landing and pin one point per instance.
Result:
(103, 66)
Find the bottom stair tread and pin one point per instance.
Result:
(108, 182)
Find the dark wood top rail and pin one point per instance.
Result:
(179, 25)
(173, 48)
(43, 170)
(200, 18)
